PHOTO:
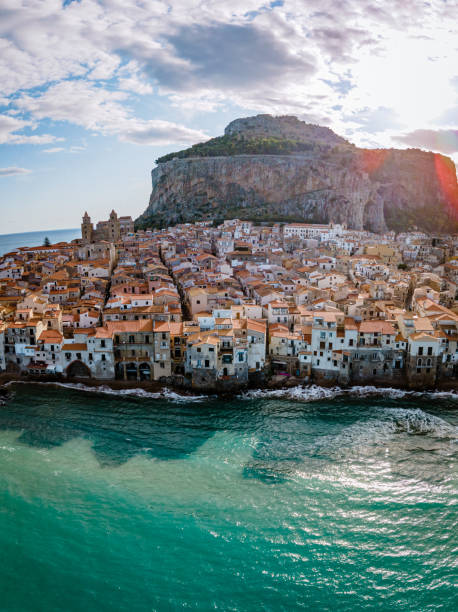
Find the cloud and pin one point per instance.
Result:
(100, 110)
(53, 150)
(10, 126)
(160, 133)
(13, 171)
(374, 120)
(89, 63)
(230, 55)
(443, 141)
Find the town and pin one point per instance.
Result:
(226, 305)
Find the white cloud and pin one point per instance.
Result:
(13, 171)
(98, 109)
(10, 126)
(323, 60)
(53, 150)
(157, 132)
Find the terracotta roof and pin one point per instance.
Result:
(50, 336)
(74, 347)
(382, 327)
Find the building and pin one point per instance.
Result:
(111, 230)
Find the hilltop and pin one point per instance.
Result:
(269, 168)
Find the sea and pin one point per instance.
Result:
(305, 499)
(9, 242)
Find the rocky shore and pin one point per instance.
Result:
(292, 387)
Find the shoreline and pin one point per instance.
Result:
(157, 390)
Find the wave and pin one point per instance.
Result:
(416, 421)
(300, 393)
(164, 394)
(312, 393)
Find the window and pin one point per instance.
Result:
(131, 339)
(162, 365)
(350, 342)
(164, 336)
(146, 339)
(90, 356)
(104, 357)
(374, 372)
(430, 350)
(198, 349)
(102, 343)
(420, 350)
(207, 363)
(78, 356)
(68, 356)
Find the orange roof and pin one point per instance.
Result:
(75, 347)
(50, 336)
(383, 327)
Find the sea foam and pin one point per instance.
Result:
(165, 393)
(312, 393)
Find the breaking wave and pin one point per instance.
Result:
(416, 421)
(314, 393)
(164, 394)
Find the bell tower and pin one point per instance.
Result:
(113, 227)
(86, 228)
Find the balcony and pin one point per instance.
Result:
(136, 359)
(143, 356)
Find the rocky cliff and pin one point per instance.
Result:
(279, 168)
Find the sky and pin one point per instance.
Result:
(93, 91)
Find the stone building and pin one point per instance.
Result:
(110, 230)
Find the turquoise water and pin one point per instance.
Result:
(8, 242)
(122, 503)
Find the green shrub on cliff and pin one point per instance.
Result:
(223, 146)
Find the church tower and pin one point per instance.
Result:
(114, 232)
(86, 228)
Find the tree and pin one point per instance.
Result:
(46, 242)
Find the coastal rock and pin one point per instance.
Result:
(321, 178)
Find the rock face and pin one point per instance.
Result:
(330, 181)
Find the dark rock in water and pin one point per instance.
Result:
(281, 169)
(5, 395)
